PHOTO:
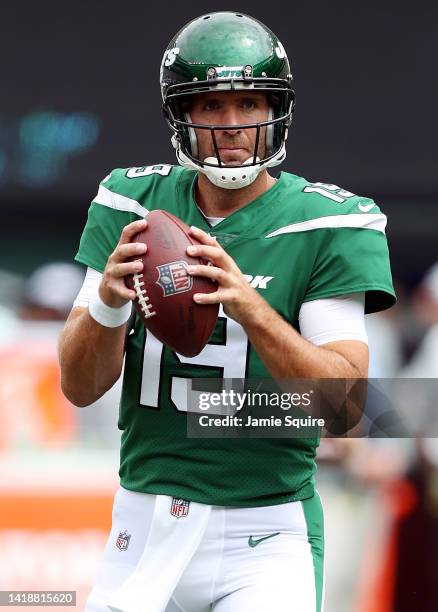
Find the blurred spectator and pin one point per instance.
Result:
(384, 343)
(11, 287)
(50, 292)
(10, 296)
(424, 363)
(401, 564)
(9, 325)
(385, 338)
(416, 567)
(352, 480)
(35, 413)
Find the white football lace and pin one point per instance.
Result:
(142, 296)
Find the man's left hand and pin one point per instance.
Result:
(238, 298)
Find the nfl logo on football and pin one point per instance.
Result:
(173, 278)
(179, 507)
(122, 541)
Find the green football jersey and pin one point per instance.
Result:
(298, 241)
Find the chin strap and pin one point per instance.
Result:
(231, 177)
(228, 177)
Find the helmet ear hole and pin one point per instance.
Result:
(274, 100)
(186, 104)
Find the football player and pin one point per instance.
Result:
(222, 524)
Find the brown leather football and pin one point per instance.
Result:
(165, 290)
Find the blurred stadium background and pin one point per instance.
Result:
(80, 96)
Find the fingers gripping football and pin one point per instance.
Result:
(234, 292)
(113, 290)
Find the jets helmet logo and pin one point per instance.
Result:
(173, 278)
(179, 507)
(170, 56)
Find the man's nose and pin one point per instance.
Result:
(230, 116)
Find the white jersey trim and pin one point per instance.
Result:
(105, 197)
(375, 222)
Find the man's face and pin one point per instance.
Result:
(230, 108)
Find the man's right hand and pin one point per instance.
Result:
(112, 290)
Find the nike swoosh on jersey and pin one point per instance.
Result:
(366, 207)
(252, 542)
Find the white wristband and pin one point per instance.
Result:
(106, 315)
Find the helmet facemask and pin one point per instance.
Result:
(269, 146)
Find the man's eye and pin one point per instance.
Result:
(248, 105)
(210, 106)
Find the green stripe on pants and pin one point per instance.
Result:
(314, 516)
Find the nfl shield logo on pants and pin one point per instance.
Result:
(179, 507)
(122, 541)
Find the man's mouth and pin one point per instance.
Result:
(226, 149)
(233, 152)
(233, 156)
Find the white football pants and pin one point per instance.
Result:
(264, 559)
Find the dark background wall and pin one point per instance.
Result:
(80, 96)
